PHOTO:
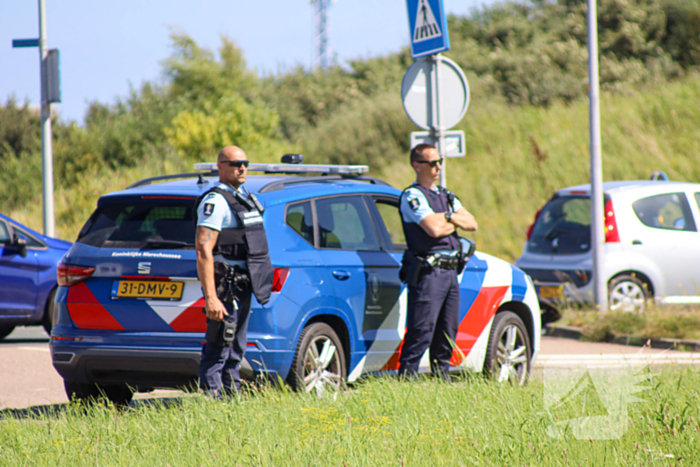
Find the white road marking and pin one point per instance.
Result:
(614, 360)
(38, 349)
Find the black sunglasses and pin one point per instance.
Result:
(237, 164)
(432, 163)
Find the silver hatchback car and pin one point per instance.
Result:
(652, 246)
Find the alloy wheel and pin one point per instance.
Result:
(511, 356)
(322, 366)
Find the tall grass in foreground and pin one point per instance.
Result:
(379, 422)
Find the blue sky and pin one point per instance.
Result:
(106, 46)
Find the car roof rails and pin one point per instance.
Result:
(294, 169)
(162, 178)
(659, 176)
(291, 166)
(326, 172)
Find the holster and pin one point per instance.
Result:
(222, 332)
(227, 279)
(411, 266)
(462, 261)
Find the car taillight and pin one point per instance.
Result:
(611, 233)
(69, 274)
(529, 229)
(279, 279)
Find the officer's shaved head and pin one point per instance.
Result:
(230, 172)
(232, 153)
(418, 153)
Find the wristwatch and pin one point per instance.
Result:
(448, 216)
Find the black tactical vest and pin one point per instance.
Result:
(246, 242)
(417, 239)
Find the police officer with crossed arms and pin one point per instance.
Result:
(431, 216)
(232, 263)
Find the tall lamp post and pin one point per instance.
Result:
(50, 92)
(597, 207)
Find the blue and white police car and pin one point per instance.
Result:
(130, 307)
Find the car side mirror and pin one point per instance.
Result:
(468, 247)
(21, 245)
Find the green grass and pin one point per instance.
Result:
(379, 422)
(674, 322)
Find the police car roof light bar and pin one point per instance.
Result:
(294, 168)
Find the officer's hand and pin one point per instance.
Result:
(215, 309)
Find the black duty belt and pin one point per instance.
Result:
(443, 262)
(447, 263)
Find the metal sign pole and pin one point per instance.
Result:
(46, 153)
(597, 207)
(437, 61)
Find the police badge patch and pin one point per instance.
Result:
(208, 209)
(414, 203)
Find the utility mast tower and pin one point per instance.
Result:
(322, 52)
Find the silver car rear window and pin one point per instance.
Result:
(563, 227)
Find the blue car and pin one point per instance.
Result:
(130, 307)
(28, 262)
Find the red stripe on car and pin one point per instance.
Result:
(476, 319)
(86, 312)
(192, 319)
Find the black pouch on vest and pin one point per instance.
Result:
(258, 258)
(261, 277)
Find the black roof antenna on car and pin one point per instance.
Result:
(659, 176)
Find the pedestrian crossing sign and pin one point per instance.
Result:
(428, 26)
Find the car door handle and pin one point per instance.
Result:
(341, 275)
(636, 242)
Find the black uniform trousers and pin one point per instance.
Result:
(432, 321)
(219, 367)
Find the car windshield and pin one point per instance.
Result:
(166, 225)
(563, 227)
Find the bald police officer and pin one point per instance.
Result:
(431, 216)
(232, 263)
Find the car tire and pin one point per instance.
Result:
(47, 320)
(82, 392)
(6, 330)
(118, 394)
(627, 293)
(319, 362)
(509, 350)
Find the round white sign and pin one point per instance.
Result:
(418, 92)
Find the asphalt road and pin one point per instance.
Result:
(28, 378)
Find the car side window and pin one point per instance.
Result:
(4, 234)
(300, 219)
(31, 241)
(344, 223)
(668, 211)
(697, 200)
(389, 211)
